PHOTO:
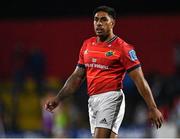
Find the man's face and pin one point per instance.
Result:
(103, 23)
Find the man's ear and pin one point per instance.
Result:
(113, 23)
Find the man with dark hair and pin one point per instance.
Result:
(104, 61)
(106, 9)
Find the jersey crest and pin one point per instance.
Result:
(109, 53)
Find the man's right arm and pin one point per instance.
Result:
(71, 86)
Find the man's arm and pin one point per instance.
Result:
(71, 86)
(145, 91)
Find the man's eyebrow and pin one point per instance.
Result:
(100, 17)
(103, 17)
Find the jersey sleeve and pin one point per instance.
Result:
(81, 56)
(129, 58)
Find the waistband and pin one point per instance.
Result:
(107, 93)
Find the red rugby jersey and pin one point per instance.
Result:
(106, 63)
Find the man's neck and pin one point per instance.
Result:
(105, 38)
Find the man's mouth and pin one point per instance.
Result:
(99, 30)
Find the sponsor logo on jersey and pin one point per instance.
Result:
(132, 55)
(99, 66)
(86, 51)
(109, 53)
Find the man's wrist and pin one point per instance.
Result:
(60, 96)
(152, 108)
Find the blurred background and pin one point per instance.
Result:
(39, 47)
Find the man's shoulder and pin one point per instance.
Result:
(121, 43)
(90, 39)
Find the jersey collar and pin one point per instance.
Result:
(111, 40)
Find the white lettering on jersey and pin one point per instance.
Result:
(93, 65)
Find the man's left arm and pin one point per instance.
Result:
(145, 91)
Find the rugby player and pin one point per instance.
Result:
(103, 61)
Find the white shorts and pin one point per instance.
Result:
(106, 110)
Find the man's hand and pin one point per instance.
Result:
(51, 104)
(156, 117)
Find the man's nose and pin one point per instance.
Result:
(99, 23)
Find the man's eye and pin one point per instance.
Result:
(104, 19)
(95, 19)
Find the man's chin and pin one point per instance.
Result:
(99, 34)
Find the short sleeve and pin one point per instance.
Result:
(81, 56)
(129, 58)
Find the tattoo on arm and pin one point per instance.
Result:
(72, 83)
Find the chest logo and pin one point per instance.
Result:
(109, 53)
